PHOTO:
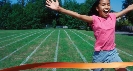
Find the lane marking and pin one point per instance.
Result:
(35, 50)
(15, 37)
(20, 48)
(19, 40)
(56, 51)
(82, 39)
(81, 55)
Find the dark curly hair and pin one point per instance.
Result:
(93, 10)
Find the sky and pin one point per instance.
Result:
(116, 5)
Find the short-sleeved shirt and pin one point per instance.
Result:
(104, 32)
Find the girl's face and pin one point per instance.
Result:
(104, 8)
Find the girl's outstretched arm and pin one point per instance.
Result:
(129, 8)
(55, 6)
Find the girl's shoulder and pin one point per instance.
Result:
(96, 18)
(112, 15)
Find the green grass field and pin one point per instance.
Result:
(19, 47)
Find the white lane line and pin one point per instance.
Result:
(125, 52)
(87, 36)
(20, 48)
(56, 51)
(35, 50)
(8, 36)
(81, 55)
(14, 37)
(82, 39)
(19, 40)
(117, 48)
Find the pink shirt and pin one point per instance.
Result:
(104, 32)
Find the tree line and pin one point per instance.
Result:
(33, 14)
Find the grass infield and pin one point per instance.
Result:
(54, 45)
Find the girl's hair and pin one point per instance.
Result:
(93, 10)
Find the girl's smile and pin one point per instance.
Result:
(104, 8)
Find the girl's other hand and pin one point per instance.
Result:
(130, 7)
(53, 5)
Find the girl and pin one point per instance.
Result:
(103, 25)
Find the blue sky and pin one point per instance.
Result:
(116, 5)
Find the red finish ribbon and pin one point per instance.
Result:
(70, 65)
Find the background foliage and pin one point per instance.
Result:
(33, 14)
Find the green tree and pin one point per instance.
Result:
(68, 20)
(129, 15)
(81, 8)
(16, 17)
(4, 13)
(21, 2)
(34, 14)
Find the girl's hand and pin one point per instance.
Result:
(121, 13)
(53, 5)
(130, 7)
